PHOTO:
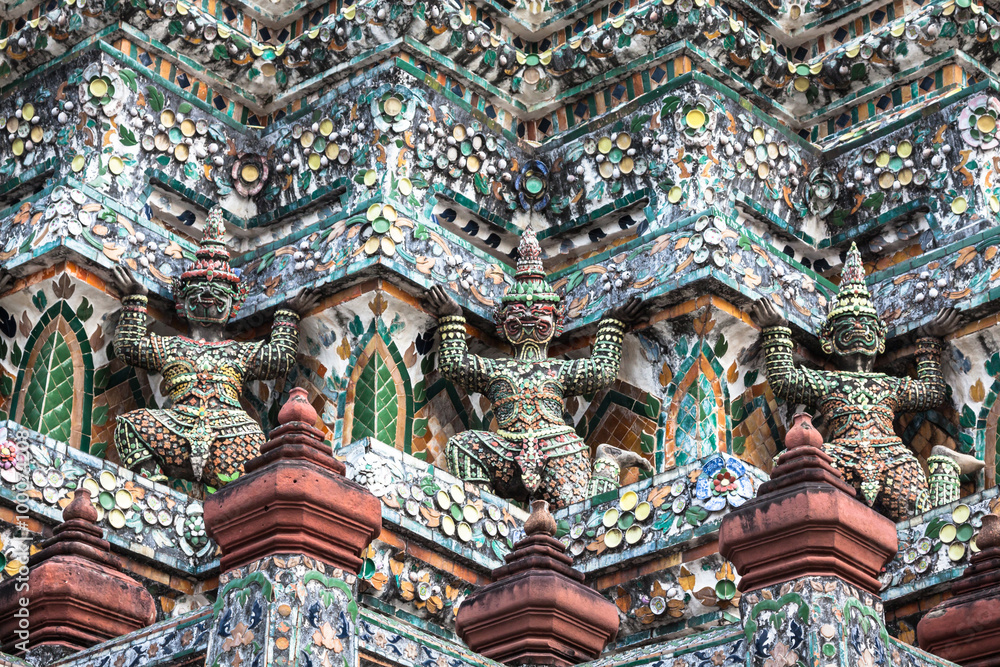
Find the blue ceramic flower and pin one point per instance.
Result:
(532, 185)
(723, 480)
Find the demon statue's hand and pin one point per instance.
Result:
(946, 322)
(126, 284)
(629, 312)
(765, 314)
(6, 280)
(440, 304)
(303, 302)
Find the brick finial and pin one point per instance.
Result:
(962, 629)
(294, 499)
(537, 610)
(79, 594)
(806, 521)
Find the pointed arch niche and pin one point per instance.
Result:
(986, 436)
(379, 401)
(697, 417)
(53, 394)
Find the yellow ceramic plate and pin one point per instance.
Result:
(98, 87)
(464, 532)
(388, 247)
(250, 173)
(470, 513)
(123, 499)
(108, 480)
(116, 518)
(961, 514)
(629, 500)
(91, 485)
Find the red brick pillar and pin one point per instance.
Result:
(809, 554)
(292, 517)
(294, 499)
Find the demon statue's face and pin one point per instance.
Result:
(529, 324)
(862, 334)
(210, 292)
(207, 302)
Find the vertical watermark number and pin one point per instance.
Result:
(14, 469)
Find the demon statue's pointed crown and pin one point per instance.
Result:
(853, 325)
(530, 291)
(211, 266)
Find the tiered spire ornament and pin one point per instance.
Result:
(77, 593)
(859, 404)
(537, 611)
(294, 499)
(206, 436)
(534, 452)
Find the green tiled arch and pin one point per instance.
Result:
(49, 402)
